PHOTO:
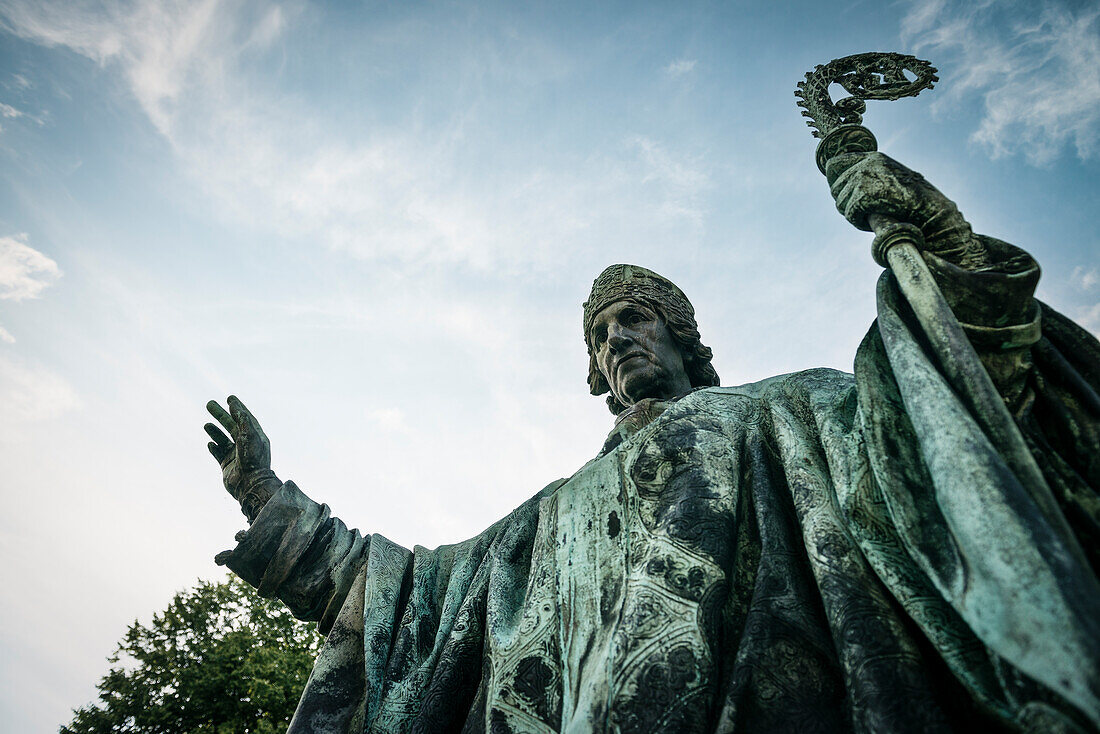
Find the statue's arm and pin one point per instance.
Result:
(989, 284)
(296, 551)
(293, 548)
(996, 308)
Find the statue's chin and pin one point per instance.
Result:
(641, 383)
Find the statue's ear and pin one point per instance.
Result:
(597, 383)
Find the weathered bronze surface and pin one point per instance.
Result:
(910, 548)
(863, 76)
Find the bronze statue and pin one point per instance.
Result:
(883, 552)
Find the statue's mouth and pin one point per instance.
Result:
(623, 360)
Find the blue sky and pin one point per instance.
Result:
(375, 223)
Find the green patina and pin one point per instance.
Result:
(910, 548)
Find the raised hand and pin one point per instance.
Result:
(245, 459)
(872, 183)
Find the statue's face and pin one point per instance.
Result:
(637, 354)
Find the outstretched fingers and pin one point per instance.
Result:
(217, 436)
(227, 421)
(221, 446)
(217, 452)
(243, 417)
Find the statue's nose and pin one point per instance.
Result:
(618, 339)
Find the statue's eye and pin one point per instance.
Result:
(636, 317)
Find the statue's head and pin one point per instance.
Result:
(643, 341)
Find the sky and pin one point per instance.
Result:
(375, 223)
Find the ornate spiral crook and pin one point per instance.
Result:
(874, 75)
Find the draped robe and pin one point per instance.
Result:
(818, 551)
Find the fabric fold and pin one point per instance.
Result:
(815, 552)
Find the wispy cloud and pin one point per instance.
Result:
(31, 394)
(1089, 318)
(17, 82)
(9, 112)
(1036, 66)
(1084, 278)
(24, 271)
(683, 180)
(680, 67)
(161, 47)
(383, 193)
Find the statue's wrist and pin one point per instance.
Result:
(964, 252)
(948, 235)
(261, 485)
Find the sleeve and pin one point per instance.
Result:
(1002, 534)
(406, 629)
(995, 306)
(296, 551)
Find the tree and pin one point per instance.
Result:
(219, 660)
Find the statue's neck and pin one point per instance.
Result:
(635, 418)
(643, 412)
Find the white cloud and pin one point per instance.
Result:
(9, 112)
(24, 271)
(1089, 318)
(160, 46)
(683, 180)
(680, 67)
(381, 193)
(390, 420)
(1084, 278)
(31, 394)
(5, 336)
(14, 81)
(1035, 65)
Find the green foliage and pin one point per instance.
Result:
(219, 660)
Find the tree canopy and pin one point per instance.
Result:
(219, 660)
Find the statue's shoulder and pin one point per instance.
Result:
(819, 381)
(815, 392)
